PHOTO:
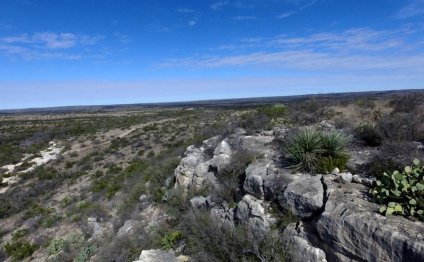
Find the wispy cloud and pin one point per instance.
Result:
(285, 15)
(243, 17)
(185, 10)
(52, 40)
(219, 5)
(300, 5)
(5, 26)
(46, 45)
(354, 50)
(413, 8)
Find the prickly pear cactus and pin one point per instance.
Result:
(402, 192)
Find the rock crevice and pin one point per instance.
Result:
(337, 220)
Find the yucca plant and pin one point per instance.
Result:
(334, 144)
(304, 149)
(316, 151)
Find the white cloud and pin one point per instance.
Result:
(47, 45)
(354, 50)
(285, 15)
(243, 17)
(192, 23)
(53, 40)
(186, 10)
(219, 5)
(413, 8)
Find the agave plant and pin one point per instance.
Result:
(334, 144)
(316, 151)
(304, 149)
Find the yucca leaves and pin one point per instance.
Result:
(307, 147)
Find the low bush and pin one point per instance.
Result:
(316, 151)
(210, 240)
(19, 248)
(171, 239)
(72, 248)
(274, 111)
(253, 121)
(402, 192)
(369, 135)
(232, 176)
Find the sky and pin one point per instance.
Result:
(91, 52)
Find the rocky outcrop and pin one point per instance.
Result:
(98, 228)
(157, 255)
(197, 167)
(352, 227)
(128, 228)
(299, 249)
(337, 220)
(251, 212)
(304, 197)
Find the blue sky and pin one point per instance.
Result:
(80, 52)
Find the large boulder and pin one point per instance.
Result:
(304, 197)
(198, 168)
(128, 228)
(223, 213)
(200, 202)
(265, 180)
(352, 227)
(254, 183)
(223, 148)
(251, 212)
(97, 228)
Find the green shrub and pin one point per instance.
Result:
(328, 163)
(86, 252)
(370, 135)
(274, 111)
(170, 240)
(380, 164)
(402, 192)
(56, 246)
(20, 249)
(50, 220)
(36, 210)
(316, 151)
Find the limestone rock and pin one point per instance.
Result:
(157, 255)
(200, 202)
(264, 180)
(304, 197)
(299, 248)
(128, 228)
(336, 171)
(352, 227)
(345, 177)
(254, 183)
(250, 211)
(223, 213)
(223, 149)
(97, 228)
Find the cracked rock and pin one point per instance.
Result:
(304, 197)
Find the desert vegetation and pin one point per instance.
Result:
(117, 170)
